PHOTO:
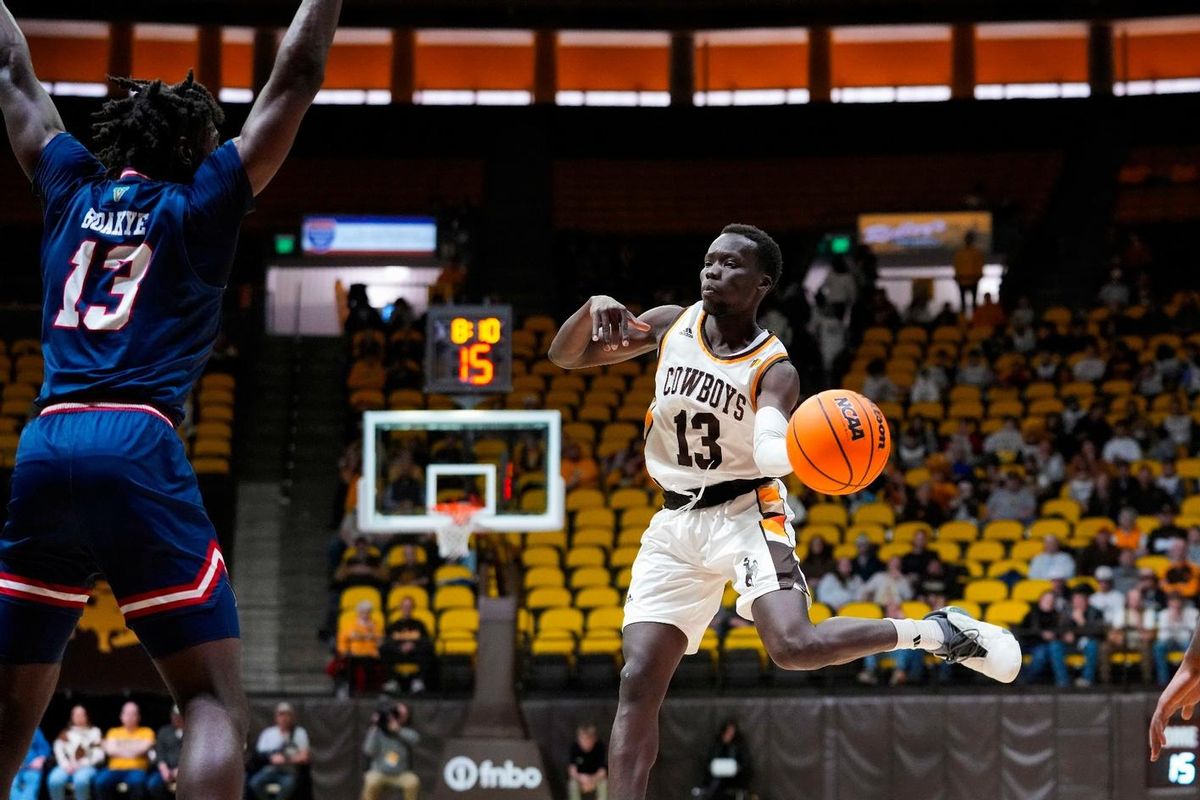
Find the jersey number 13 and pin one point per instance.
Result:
(128, 263)
(711, 427)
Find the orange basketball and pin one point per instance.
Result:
(838, 442)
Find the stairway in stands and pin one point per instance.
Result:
(286, 493)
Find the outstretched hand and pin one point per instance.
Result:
(614, 326)
(1182, 694)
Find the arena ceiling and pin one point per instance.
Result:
(596, 14)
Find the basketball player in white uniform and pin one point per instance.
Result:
(715, 443)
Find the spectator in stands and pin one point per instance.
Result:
(1024, 313)
(1170, 481)
(1042, 626)
(407, 642)
(1126, 575)
(976, 371)
(919, 311)
(1149, 381)
(913, 447)
(921, 507)
(1091, 367)
(1147, 497)
(1130, 631)
(1181, 577)
(626, 468)
(925, 388)
(1176, 624)
(1099, 554)
(947, 317)
(1193, 542)
(1052, 562)
(908, 665)
(884, 313)
(388, 748)
(1006, 439)
(964, 506)
(1083, 632)
(1128, 536)
(77, 752)
(362, 563)
(887, 587)
(939, 584)
(579, 471)
(818, 559)
(839, 288)
(406, 488)
(1049, 468)
(127, 747)
(866, 562)
(358, 647)
(915, 563)
(359, 313)
(587, 769)
(877, 385)
(968, 270)
(1106, 598)
(989, 314)
(1115, 293)
(168, 748)
(1177, 426)
(1023, 339)
(829, 331)
(727, 766)
(1189, 378)
(839, 587)
(1161, 538)
(283, 748)
(28, 781)
(1012, 499)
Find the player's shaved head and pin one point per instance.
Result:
(766, 250)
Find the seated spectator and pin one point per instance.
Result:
(579, 471)
(1131, 631)
(1149, 381)
(407, 641)
(1100, 552)
(28, 781)
(1176, 624)
(168, 748)
(865, 562)
(1052, 562)
(1181, 577)
(626, 468)
(127, 747)
(77, 752)
(1042, 627)
(940, 583)
(818, 560)
(388, 748)
(1115, 293)
(1177, 426)
(1049, 467)
(284, 748)
(727, 767)
(925, 388)
(1106, 599)
(839, 289)
(1012, 500)
(887, 587)
(1007, 439)
(877, 385)
(1083, 632)
(358, 647)
(1167, 532)
(1126, 575)
(839, 587)
(362, 563)
(1193, 542)
(976, 372)
(1128, 536)
(912, 449)
(1148, 498)
(587, 770)
(1170, 481)
(915, 563)
(990, 314)
(1091, 367)
(1122, 446)
(908, 665)
(829, 330)
(406, 487)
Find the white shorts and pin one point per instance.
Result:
(687, 557)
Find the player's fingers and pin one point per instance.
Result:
(1157, 737)
(597, 323)
(1186, 713)
(636, 324)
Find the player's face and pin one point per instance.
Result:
(730, 280)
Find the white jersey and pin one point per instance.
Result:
(700, 427)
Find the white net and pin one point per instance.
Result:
(454, 535)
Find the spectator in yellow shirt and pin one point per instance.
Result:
(358, 646)
(968, 269)
(1181, 577)
(128, 749)
(578, 470)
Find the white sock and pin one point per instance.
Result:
(917, 634)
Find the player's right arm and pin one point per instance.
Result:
(299, 71)
(604, 331)
(29, 113)
(1181, 694)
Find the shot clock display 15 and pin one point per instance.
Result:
(1177, 765)
(468, 349)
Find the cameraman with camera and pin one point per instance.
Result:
(282, 749)
(389, 746)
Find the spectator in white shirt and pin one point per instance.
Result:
(1007, 439)
(1011, 500)
(840, 288)
(1122, 446)
(1091, 367)
(1176, 624)
(1178, 425)
(925, 388)
(842, 586)
(877, 385)
(1052, 562)
(1107, 598)
(976, 371)
(888, 587)
(78, 750)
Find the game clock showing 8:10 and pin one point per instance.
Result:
(468, 349)
(1180, 759)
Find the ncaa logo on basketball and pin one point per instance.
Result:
(462, 774)
(851, 417)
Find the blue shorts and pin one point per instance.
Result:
(106, 489)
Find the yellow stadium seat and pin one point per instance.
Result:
(630, 537)
(595, 518)
(585, 557)
(627, 498)
(958, 531)
(948, 333)
(905, 531)
(624, 576)
(1087, 527)
(1006, 565)
(1191, 505)
(931, 411)
(453, 597)
(965, 411)
(555, 539)
(579, 499)
(829, 533)
(1006, 408)
(873, 531)
(214, 430)
(458, 619)
(986, 590)
(861, 611)
(1005, 530)
(1157, 563)
(561, 619)
(211, 466)
(1065, 507)
(540, 557)
(912, 333)
(1026, 550)
(637, 516)
(544, 576)
(968, 607)
(877, 335)
(622, 557)
(609, 618)
(828, 514)
(894, 550)
(845, 551)
(597, 597)
(452, 572)
(949, 552)
(1078, 389)
(547, 597)
(879, 513)
(819, 612)
(1007, 613)
(1040, 390)
(987, 550)
(963, 393)
(584, 577)
(916, 476)
(603, 645)
(396, 595)
(915, 609)
(1030, 589)
(351, 597)
(554, 643)
(593, 537)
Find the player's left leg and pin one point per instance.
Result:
(25, 692)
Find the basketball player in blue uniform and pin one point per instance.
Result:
(138, 244)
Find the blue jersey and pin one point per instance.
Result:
(132, 272)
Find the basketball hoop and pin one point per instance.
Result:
(454, 535)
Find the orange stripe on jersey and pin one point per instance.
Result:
(733, 359)
(758, 376)
(774, 526)
(769, 493)
(671, 329)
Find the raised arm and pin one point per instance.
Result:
(604, 331)
(29, 113)
(299, 71)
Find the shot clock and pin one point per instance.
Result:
(1178, 764)
(468, 349)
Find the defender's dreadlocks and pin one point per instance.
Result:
(142, 130)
